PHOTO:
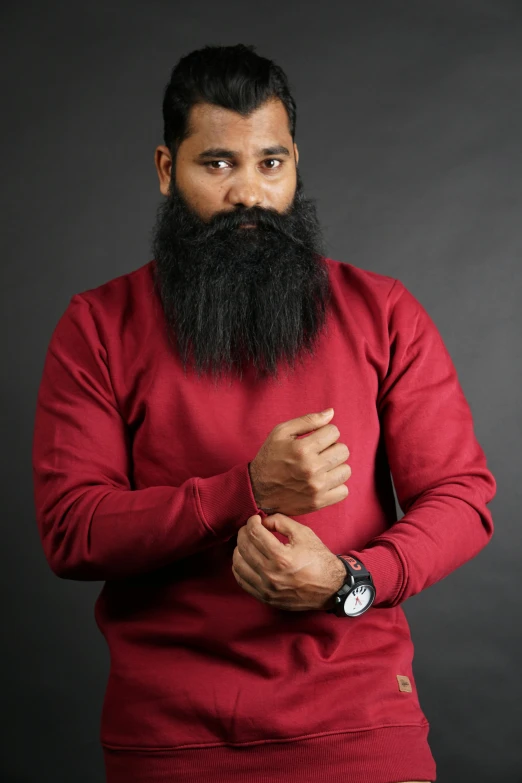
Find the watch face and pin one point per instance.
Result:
(358, 600)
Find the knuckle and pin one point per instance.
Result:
(272, 587)
(283, 563)
(308, 473)
(315, 501)
(335, 460)
(315, 486)
(266, 595)
(300, 449)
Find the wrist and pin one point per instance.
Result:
(253, 483)
(337, 577)
(258, 495)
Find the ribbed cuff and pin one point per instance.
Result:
(227, 500)
(387, 571)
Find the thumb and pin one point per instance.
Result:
(309, 422)
(280, 523)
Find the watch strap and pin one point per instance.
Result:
(354, 567)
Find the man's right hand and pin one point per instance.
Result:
(294, 475)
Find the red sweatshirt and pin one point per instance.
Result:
(141, 481)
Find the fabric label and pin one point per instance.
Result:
(404, 683)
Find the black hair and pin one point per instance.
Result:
(234, 77)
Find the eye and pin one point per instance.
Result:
(274, 160)
(209, 164)
(214, 164)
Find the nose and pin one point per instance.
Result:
(245, 191)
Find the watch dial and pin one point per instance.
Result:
(357, 601)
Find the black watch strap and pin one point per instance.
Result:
(354, 567)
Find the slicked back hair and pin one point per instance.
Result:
(234, 77)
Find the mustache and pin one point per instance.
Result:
(263, 218)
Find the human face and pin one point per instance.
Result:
(230, 161)
(236, 297)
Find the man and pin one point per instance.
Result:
(178, 435)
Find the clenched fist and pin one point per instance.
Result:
(297, 475)
(298, 576)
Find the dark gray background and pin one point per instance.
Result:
(410, 129)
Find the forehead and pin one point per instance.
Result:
(212, 125)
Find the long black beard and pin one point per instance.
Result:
(234, 296)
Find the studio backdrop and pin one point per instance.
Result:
(409, 126)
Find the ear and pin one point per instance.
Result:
(163, 163)
(296, 153)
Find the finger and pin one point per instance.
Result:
(247, 581)
(245, 574)
(264, 541)
(247, 587)
(257, 561)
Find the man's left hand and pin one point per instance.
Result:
(298, 576)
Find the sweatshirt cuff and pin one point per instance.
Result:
(387, 570)
(226, 501)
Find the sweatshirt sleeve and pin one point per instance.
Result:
(439, 469)
(92, 524)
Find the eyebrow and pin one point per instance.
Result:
(219, 152)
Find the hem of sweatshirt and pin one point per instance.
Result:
(378, 755)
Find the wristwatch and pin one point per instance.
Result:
(357, 593)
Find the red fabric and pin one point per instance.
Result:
(141, 481)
